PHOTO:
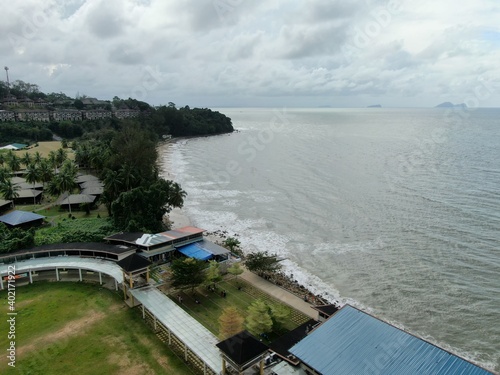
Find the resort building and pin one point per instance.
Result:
(66, 115)
(7, 115)
(160, 247)
(33, 115)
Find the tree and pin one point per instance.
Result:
(233, 244)
(144, 206)
(213, 272)
(230, 322)
(187, 273)
(64, 180)
(78, 104)
(235, 270)
(13, 162)
(26, 159)
(32, 175)
(262, 261)
(279, 315)
(258, 318)
(9, 191)
(45, 170)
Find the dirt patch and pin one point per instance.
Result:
(72, 328)
(126, 366)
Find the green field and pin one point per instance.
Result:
(208, 311)
(77, 328)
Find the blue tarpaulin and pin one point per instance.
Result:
(194, 251)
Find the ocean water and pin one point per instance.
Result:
(396, 211)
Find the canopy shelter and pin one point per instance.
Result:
(135, 271)
(91, 183)
(193, 251)
(204, 250)
(28, 196)
(5, 205)
(27, 185)
(21, 219)
(242, 351)
(86, 177)
(75, 200)
(93, 190)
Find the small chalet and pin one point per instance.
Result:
(22, 219)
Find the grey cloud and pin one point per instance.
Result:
(104, 21)
(124, 54)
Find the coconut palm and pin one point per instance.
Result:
(4, 175)
(26, 159)
(45, 171)
(9, 191)
(53, 160)
(13, 162)
(176, 194)
(37, 158)
(61, 156)
(128, 177)
(32, 175)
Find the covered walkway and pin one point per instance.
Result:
(28, 268)
(179, 329)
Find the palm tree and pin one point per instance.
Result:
(4, 175)
(53, 160)
(127, 176)
(2, 158)
(176, 194)
(9, 191)
(32, 175)
(65, 179)
(26, 159)
(14, 162)
(61, 156)
(45, 170)
(37, 158)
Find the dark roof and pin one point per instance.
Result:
(77, 199)
(129, 237)
(93, 190)
(86, 177)
(133, 263)
(282, 344)
(327, 309)
(28, 193)
(88, 246)
(20, 217)
(242, 347)
(3, 202)
(353, 342)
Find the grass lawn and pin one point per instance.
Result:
(208, 311)
(44, 148)
(77, 328)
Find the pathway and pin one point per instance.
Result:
(279, 293)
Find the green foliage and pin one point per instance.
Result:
(213, 274)
(262, 261)
(15, 239)
(81, 230)
(279, 314)
(233, 244)
(143, 208)
(258, 318)
(235, 269)
(187, 273)
(23, 132)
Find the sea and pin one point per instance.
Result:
(394, 211)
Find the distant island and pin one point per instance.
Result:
(375, 106)
(451, 105)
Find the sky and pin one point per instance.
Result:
(249, 53)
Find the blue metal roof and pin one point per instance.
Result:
(353, 342)
(195, 251)
(19, 217)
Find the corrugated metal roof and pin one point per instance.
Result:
(194, 251)
(354, 342)
(20, 217)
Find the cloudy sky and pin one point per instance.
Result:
(296, 53)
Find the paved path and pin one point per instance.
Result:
(279, 293)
